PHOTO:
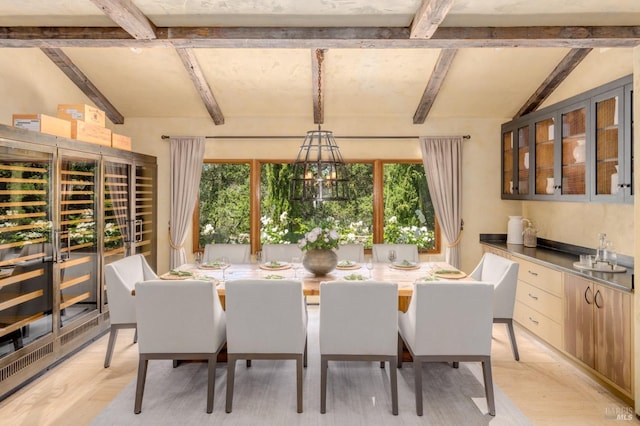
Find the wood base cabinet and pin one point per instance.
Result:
(597, 329)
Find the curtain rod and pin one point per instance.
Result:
(302, 137)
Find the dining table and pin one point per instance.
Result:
(405, 275)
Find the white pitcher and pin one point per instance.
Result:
(514, 230)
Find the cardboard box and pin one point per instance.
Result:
(43, 123)
(88, 132)
(81, 112)
(120, 141)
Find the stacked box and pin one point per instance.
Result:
(88, 132)
(121, 141)
(82, 112)
(43, 123)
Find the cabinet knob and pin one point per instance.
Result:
(533, 297)
(535, 274)
(534, 321)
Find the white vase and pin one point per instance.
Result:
(614, 182)
(579, 153)
(550, 185)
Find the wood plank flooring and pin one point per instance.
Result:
(544, 385)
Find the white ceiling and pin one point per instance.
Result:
(152, 81)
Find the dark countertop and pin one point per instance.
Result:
(561, 257)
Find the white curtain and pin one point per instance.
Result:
(442, 159)
(187, 154)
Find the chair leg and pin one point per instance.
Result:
(248, 363)
(212, 382)
(142, 377)
(299, 362)
(488, 386)
(323, 384)
(231, 371)
(381, 364)
(512, 335)
(305, 353)
(393, 373)
(135, 336)
(417, 372)
(399, 351)
(112, 343)
(455, 364)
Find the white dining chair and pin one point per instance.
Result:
(403, 252)
(120, 278)
(178, 320)
(449, 321)
(236, 253)
(266, 319)
(503, 274)
(351, 330)
(280, 252)
(353, 252)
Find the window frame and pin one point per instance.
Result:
(255, 199)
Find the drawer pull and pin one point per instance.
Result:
(535, 274)
(595, 299)
(587, 290)
(533, 297)
(534, 321)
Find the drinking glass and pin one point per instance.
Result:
(295, 264)
(258, 257)
(224, 264)
(392, 256)
(369, 265)
(198, 258)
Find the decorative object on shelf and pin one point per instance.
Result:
(318, 245)
(526, 160)
(614, 181)
(579, 153)
(551, 132)
(514, 230)
(550, 189)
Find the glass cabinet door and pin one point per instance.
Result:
(523, 160)
(507, 162)
(77, 236)
(608, 139)
(144, 235)
(26, 263)
(544, 157)
(117, 210)
(573, 169)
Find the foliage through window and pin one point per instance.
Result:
(224, 207)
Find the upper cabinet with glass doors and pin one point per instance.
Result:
(578, 150)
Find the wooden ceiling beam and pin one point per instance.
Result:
(429, 17)
(126, 14)
(433, 86)
(74, 73)
(317, 66)
(330, 37)
(553, 80)
(192, 66)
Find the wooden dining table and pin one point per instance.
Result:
(405, 277)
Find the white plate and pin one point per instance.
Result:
(404, 264)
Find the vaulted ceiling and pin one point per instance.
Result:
(313, 58)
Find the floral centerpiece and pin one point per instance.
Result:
(318, 245)
(319, 239)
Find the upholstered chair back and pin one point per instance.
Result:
(353, 252)
(120, 277)
(403, 252)
(280, 252)
(237, 253)
(503, 274)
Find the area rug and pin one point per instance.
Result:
(357, 394)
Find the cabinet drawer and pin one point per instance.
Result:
(542, 277)
(542, 326)
(547, 304)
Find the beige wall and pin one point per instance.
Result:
(636, 233)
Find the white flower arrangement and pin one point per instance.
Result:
(319, 238)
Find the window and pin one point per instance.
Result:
(403, 214)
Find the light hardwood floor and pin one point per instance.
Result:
(544, 385)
